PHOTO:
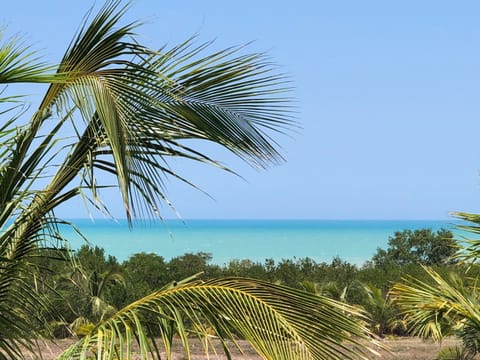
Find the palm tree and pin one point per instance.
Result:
(446, 304)
(88, 292)
(113, 106)
(441, 307)
(383, 314)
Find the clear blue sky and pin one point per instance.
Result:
(388, 96)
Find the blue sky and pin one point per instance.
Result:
(387, 94)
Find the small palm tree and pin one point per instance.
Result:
(446, 305)
(113, 106)
(88, 289)
(383, 313)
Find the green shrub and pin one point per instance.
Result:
(454, 353)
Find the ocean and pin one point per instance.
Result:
(354, 241)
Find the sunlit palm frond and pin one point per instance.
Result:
(279, 322)
(135, 102)
(147, 112)
(138, 105)
(176, 110)
(472, 219)
(225, 97)
(468, 248)
(435, 309)
(19, 63)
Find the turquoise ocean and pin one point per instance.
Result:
(321, 240)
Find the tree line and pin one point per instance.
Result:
(96, 284)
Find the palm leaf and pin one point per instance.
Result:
(437, 307)
(468, 248)
(137, 105)
(23, 307)
(19, 63)
(279, 322)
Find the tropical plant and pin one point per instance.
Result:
(383, 314)
(279, 322)
(443, 306)
(421, 246)
(454, 353)
(114, 107)
(446, 304)
(87, 290)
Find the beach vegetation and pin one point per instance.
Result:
(88, 295)
(367, 286)
(421, 246)
(449, 303)
(384, 314)
(113, 114)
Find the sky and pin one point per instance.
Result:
(387, 95)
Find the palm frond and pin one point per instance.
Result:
(137, 106)
(19, 63)
(279, 322)
(433, 309)
(23, 306)
(468, 248)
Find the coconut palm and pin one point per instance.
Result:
(446, 304)
(88, 292)
(114, 107)
(383, 314)
(441, 307)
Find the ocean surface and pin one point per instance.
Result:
(321, 240)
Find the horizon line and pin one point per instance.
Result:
(260, 219)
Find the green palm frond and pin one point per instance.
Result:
(468, 248)
(19, 63)
(279, 322)
(433, 309)
(473, 219)
(138, 106)
(447, 304)
(149, 115)
(383, 314)
(23, 306)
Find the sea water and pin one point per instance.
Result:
(354, 241)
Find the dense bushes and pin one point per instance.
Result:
(101, 279)
(421, 246)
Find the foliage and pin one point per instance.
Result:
(93, 259)
(184, 266)
(339, 280)
(448, 305)
(115, 107)
(90, 299)
(435, 310)
(383, 314)
(421, 246)
(286, 323)
(454, 353)
(144, 273)
(469, 248)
